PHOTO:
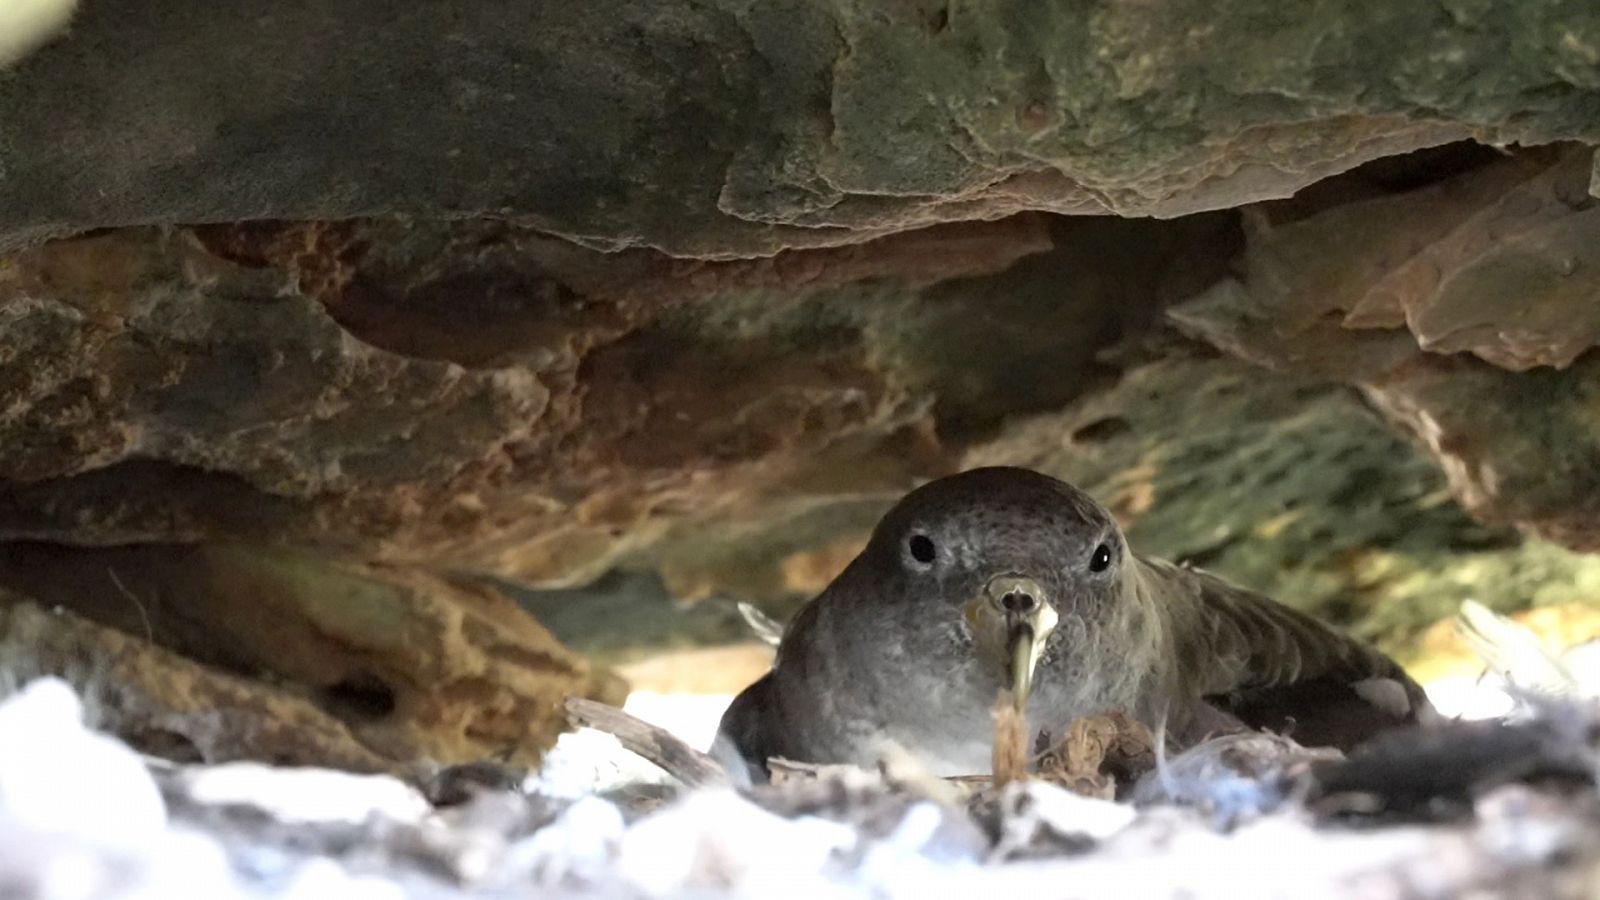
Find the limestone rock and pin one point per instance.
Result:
(1499, 261)
(235, 406)
(1392, 295)
(1520, 449)
(729, 129)
(288, 656)
(476, 395)
(170, 706)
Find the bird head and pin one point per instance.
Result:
(1002, 555)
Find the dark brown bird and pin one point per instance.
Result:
(1004, 577)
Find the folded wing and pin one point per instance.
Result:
(1274, 667)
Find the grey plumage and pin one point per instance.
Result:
(893, 650)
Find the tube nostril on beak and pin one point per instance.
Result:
(1018, 602)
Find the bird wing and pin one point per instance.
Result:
(1274, 667)
(752, 729)
(743, 742)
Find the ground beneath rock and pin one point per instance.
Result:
(82, 816)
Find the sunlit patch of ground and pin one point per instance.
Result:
(704, 670)
(586, 761)
(1443, 653)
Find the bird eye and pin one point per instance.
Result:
(1101, 560)
(922, 549)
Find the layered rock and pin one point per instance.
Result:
(1462, 309)
(728, 128)
(218, 652)
(476, 395)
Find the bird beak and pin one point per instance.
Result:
(1010, 621)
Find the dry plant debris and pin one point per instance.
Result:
(1099, 755)
(1010, 756)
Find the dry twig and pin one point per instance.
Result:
(657, 745)
(1097, 753)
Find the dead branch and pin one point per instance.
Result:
(657, 745)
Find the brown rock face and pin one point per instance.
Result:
(1522, 450)
(478, 394)
(1432, 301)
(1499, 261)
(167, 705)
(304, 660)
(137, 357)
